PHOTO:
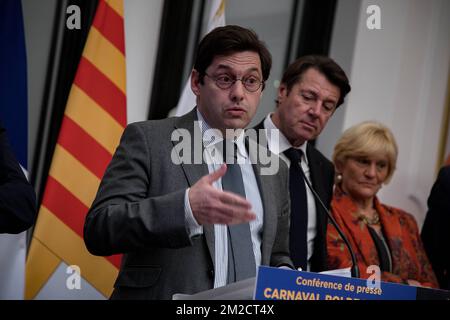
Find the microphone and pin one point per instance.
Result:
(354, 269)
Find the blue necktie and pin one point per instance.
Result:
(298, 241)
(241, 259)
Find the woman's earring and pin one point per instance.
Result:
(338, 178)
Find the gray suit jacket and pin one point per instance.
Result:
(139, 211)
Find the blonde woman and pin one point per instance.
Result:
(365, 159)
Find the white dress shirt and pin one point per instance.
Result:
(278, 146)
(252, 195)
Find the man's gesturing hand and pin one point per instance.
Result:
(212, 206)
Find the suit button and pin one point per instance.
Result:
(211, 273)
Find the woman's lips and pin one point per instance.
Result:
(367, 184)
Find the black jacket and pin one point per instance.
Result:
(17, 196)
(435, 231)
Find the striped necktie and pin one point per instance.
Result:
(241, 259)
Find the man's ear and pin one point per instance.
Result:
(282, 92)
(195, 82)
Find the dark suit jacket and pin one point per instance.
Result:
(322, 178)
(139, 211)
(17, 196)
(436, 228)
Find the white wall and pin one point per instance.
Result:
(399, 77)
(342, 47)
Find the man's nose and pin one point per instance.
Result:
(315, 108)
(237, 91)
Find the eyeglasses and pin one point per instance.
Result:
(224, 81)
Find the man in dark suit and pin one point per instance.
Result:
(17, 196)
(174, 217)
(435, 231)
(311, 89)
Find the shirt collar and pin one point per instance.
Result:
(213, 136)
(281, 144)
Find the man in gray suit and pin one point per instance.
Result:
(172, 219)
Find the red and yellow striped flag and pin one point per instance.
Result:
(94, 120)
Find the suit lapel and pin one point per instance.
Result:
(265, 185)
(316, 172)
(321, 179)
(194, 170)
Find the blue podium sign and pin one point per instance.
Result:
(283, 284)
